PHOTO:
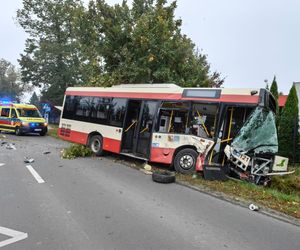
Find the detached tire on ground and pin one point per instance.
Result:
(185, 161)
(163, 177)
(96, 144)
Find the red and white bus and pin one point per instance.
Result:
(183, 127)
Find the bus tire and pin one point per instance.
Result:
(96, 144)
(185, 161)
(42, 133)
(18, 131)
(163, 177)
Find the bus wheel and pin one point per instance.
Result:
(95, 144)
(18, 131)
(185, 161)
(42, 133)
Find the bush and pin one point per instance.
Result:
(288, 127)
(289, 184)
(76, 150)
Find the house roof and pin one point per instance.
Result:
(282, 100)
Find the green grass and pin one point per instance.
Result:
(289, 184)
(283, 199)
(52, 130)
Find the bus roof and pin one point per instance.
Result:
(169, 92)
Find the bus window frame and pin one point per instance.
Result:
(223, 110)
(89, 120)
(191, 103)
(156, 126)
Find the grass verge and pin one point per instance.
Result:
(52, 130)
(275, 197)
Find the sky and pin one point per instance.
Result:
(247, 41)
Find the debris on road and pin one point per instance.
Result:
(163, 177)
(214, 173)
(145, 171)
(11, 146)
(147, 167)
(28, 160)
(46, 152)
(253, 207)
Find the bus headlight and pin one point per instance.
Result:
(45, 124)
(25, 124)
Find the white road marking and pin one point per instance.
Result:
(16, 236)
(2, 164)
(35, 174)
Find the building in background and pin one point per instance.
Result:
(281, 101)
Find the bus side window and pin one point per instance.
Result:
(173, 117)
(204, 120)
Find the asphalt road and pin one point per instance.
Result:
(96, 203)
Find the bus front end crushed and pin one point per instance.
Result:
(252, 154)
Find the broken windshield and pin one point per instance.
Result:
(258, 133)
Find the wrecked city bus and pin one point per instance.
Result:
(188, 128)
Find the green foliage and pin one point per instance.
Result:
(76, 150)
(289, 184)
(103, 45)
(274, 88)
(274, 91)
(50, 59)
(144, 44)
(10, 84)
(288, 126)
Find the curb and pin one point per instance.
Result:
(243, 203)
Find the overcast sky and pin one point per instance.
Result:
(248, 41)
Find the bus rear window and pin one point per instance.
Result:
(29, 113)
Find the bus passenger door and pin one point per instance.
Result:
(146, 124)
(130, 129)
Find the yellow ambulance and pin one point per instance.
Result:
(21, 119)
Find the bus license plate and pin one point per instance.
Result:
(38, 129)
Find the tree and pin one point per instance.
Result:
(274, 88)
(34, 100)
(10, 84)
(274, 91)
(144, 44)
(288, 126)
(103, 45)
(51, 58)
